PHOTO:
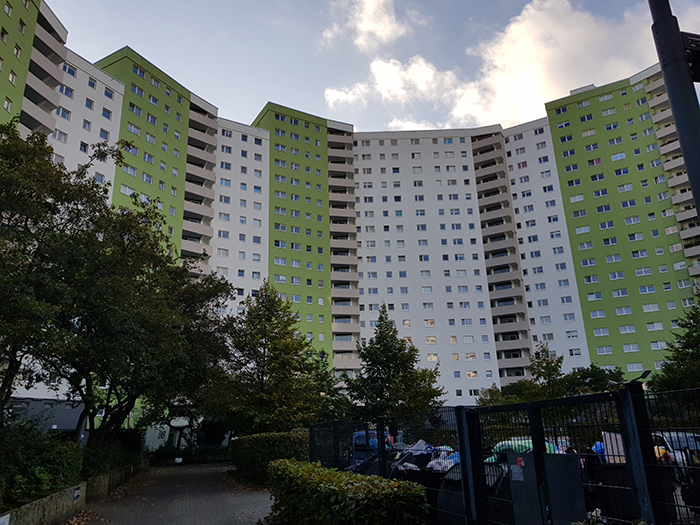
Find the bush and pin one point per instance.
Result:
(34, 463)
(252, 454)
(306, 493)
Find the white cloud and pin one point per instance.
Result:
(371, 24)
(409, 124)
(543, 53)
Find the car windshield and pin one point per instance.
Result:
(682, 441)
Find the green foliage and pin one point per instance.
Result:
(681, 368)
(306, 493)
(252, 454)
(391, 384)
(96, 296)
(34, 463)
(273, 381)
(106, 458)
(549, 382)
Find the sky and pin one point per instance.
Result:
(379, 64)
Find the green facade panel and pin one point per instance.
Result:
(299, 249)
(18, 22)
(155, 120)
(627, 251)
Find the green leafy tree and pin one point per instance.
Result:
(273, 380)
(94, 296)
(681, 368)
(391, 384)
(134, 324)
(549, 382)
(40, 203)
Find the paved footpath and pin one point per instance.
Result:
(183, 495)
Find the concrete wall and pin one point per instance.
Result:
(65, 504)
(51, 510)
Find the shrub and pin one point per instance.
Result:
(307, 493)
(252, 454)
(34, 463)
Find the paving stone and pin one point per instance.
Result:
(183, 495)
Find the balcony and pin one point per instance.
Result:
(345, 293)
(192, 248)
(694, 271)
(667, 132)
(693, 251)
(197, 228)
(45, 70)
(518, 344)
(349, 310)
(201, 140)
(662, 117)
(494, 199)
(201, 173)
(674, 164)
(513, 275)
(678, 180)
(344, 276)
(49, 46)
(508, 310)
(349, 244)
(671, 148)
(655, 87)
(341, 212)
(36, 119)
(340, 183)
(41, 94)
(510, 259)
(342, 228)
(660, 102)
(344, 346)
(686, 215)
(346, 327)
(202, 191)
(681, 198)
(515, 291)
(199, 209)
(689, 233)
(204, 157)
(517, 326)
(341, 197)
(203, 121)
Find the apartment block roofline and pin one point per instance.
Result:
(97, 70)
(482, 130)
(56, 24)
(270, 105)
(224, 120)
(128, 51)
(646, 73)
(544, 121)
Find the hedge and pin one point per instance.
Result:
(252, 454)
(306, 493)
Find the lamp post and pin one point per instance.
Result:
(679, 57)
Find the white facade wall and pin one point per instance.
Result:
(554, 309)
(87, 125)
(241, 206)
(420, 252)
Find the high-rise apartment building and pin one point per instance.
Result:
(577, 230)
(626, 242)
(549, 280)
(32, 54)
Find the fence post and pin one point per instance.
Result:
(336, 445)
(539, 449)
(471, 463)
(381, 450)
(634, 427)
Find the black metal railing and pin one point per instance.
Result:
(621, 456)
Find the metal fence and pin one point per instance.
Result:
(621, 456)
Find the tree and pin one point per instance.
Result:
(272, 379)
(681, 368)
(39, 201)
(391, 384)
(94, 296)
(549, 382)
(134, 324)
